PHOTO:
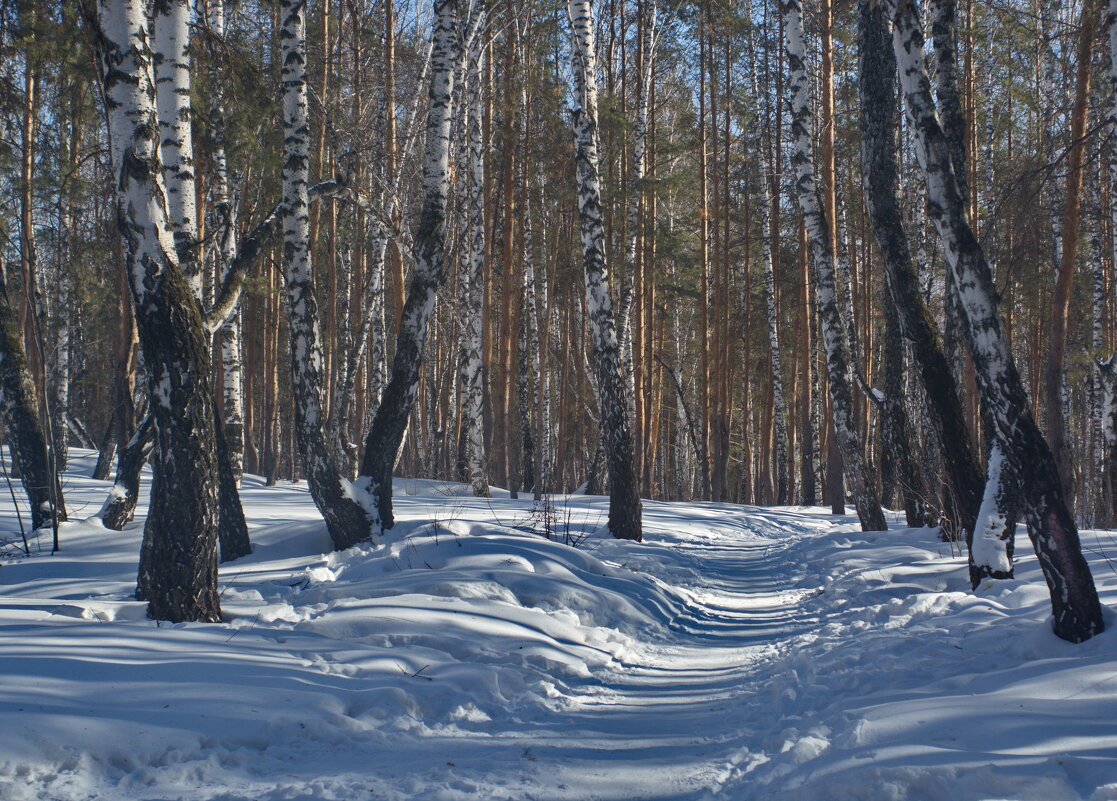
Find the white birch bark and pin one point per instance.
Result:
(767, 260)
(1027, 460)
(171, 53)
(528, 345)
(472, 288)
(349, 517)
(178, 561)
(861, 480)
(624, 499)
(226, 212)
(386, 433)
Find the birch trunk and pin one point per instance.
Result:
(767, 259)
(472, 288)
(879, 110)
(528, 345)
(342, 507)
(120, 506)
(226, 211)
(171, 57)
(178, 562)
(386, 433)
(861, 480)
(624, 498)
(1026, 456)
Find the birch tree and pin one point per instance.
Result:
(178, 563)
(624, 498)
(472, 289)
(1074, 600)
(388, 426)
(861, 480)
(232, 385)
(879, 110)
(347, 517)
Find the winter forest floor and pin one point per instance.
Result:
(739, 653)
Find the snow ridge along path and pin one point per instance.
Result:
(739, 653)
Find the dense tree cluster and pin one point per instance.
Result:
(767, 253)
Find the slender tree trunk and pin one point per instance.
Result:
(19, 409)
(386, 433)
(767, 258)
(347, 518)
(232, 364)
(624, 498)
(1054, 367)
(862, 480)
(472, 288)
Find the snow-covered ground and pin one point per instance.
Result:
(739, 653)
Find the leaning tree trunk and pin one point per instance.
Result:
(347, 519)
(879, 109)
(390, 422)
(861, 478)
(178, 562)
(1025, 454)
(120, 506)
(19, 409)
(624, 497)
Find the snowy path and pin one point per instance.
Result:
(738, 653)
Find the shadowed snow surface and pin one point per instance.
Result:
(739, 653)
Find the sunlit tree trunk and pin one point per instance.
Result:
(178, 562)
(861, 479)
(1074, 600)
(390, 422)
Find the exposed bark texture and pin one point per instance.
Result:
(120, 506)
(471, 283)
(232, 385)
(861, 480)
(386, 433)
(344, 511)
(19, 409)
(767, 259)
(879, 111)
(171, 58)
(624, 498)
(178, 562)
(232, 528)
(1074, 600)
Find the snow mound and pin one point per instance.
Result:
(737, 653)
